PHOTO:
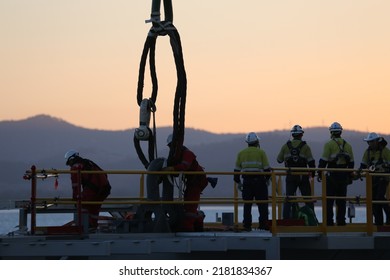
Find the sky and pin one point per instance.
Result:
(252, 65)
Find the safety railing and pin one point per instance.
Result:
(275, 200)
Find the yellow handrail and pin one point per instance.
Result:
(276, 198)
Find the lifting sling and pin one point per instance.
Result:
(147, 106)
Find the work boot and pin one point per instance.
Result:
(92, 230)
(330, 223)
(187, 224)
(198, 223)
(341, 223)
(247, 228)
(263, 226)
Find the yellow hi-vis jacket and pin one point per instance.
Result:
(251, 159)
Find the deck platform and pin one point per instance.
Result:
(201, 245)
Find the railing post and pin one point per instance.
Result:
(324, 203)
(370, 229)
(273, 177)
(280, 192)
(79, 204)
(142, 187)
(33, 199)
(235, 203)
(312, 189)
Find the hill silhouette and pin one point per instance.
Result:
(43, 140)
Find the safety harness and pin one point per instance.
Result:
(377, 165)
(295, 160)
(341, 155)
(97, 182)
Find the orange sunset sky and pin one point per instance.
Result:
(252, 65)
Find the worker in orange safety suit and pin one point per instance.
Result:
(194, 185)
(95, 187)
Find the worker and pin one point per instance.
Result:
(95, 187)
(253, 159)
(337, 153)
(377, 158)
(296, 153)
(194, 185)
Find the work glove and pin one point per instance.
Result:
(240, 187)
(356, 175)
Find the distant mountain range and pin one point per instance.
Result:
(43, 140)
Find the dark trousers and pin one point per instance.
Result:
(336, 186)
(379, 187)
(255, 188)
(293, 182)
(191, 193)
(93, 209)
(194, 187)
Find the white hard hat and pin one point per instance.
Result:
(335, 127)
(169, 139)
(296, 129)
(71, 154)
(371, 137)
(252, 138)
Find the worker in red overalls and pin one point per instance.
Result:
(194, 185)
(95, 187)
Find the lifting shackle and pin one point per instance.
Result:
(147, 106)
(156, 15)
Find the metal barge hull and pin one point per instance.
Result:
(204, 245)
